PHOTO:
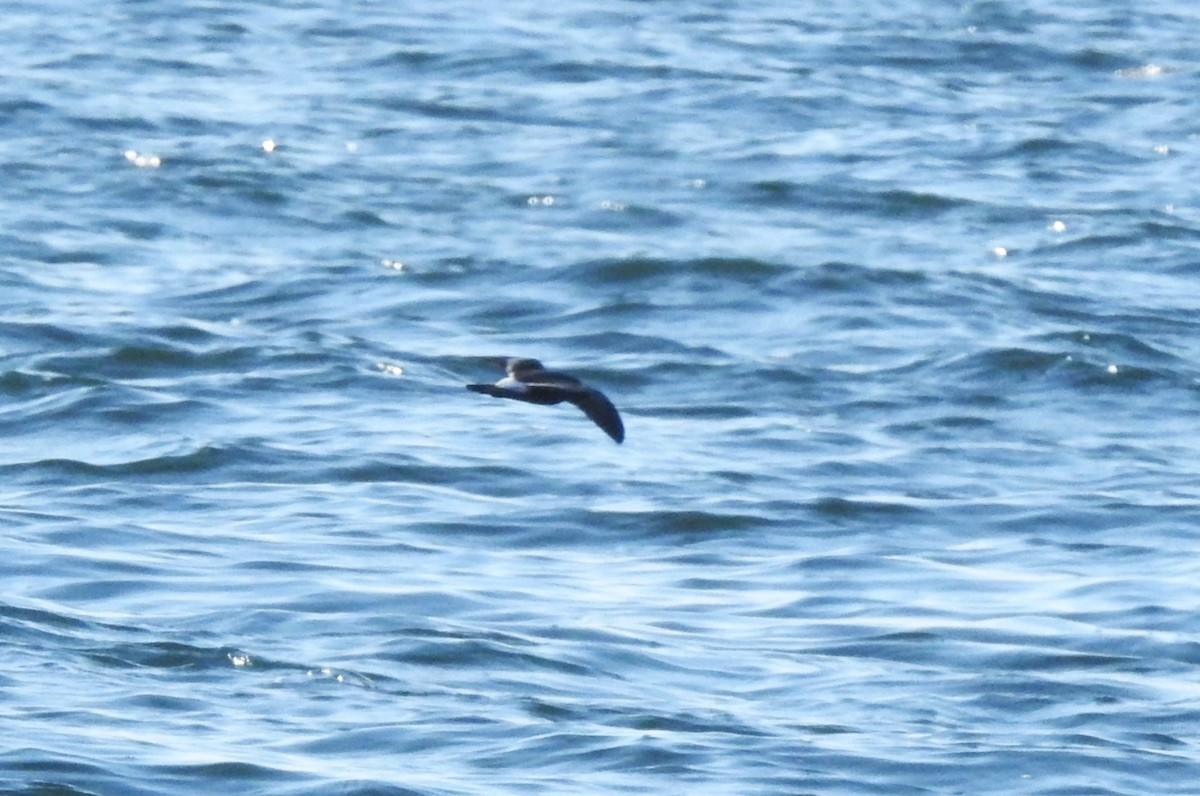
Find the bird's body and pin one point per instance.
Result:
(529, 381)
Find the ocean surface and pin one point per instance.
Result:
(900, 303)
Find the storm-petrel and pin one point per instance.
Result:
(529, 381)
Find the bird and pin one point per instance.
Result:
(529, 381)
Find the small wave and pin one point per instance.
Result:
(51, 772)
(23, 384)
(859, 280)
(613, 215)
(841, 508)
(248, 461)
(160, 655)
(225, 771)
(484, 655)
(1004, 368)
(20, 622)
(704, 272)
(685, 522)
(1118, 346)
(887, 203)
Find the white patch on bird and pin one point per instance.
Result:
(509, 383)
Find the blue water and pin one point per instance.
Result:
(898, 302)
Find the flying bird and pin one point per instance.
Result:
(529, 381)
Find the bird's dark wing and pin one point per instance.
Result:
(599, 410)
(488, 389)
(549, 378)
(543, 394)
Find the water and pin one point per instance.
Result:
(898, 304)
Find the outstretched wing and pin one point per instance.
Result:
(544, 394)
(494, 390)
(600, 411)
